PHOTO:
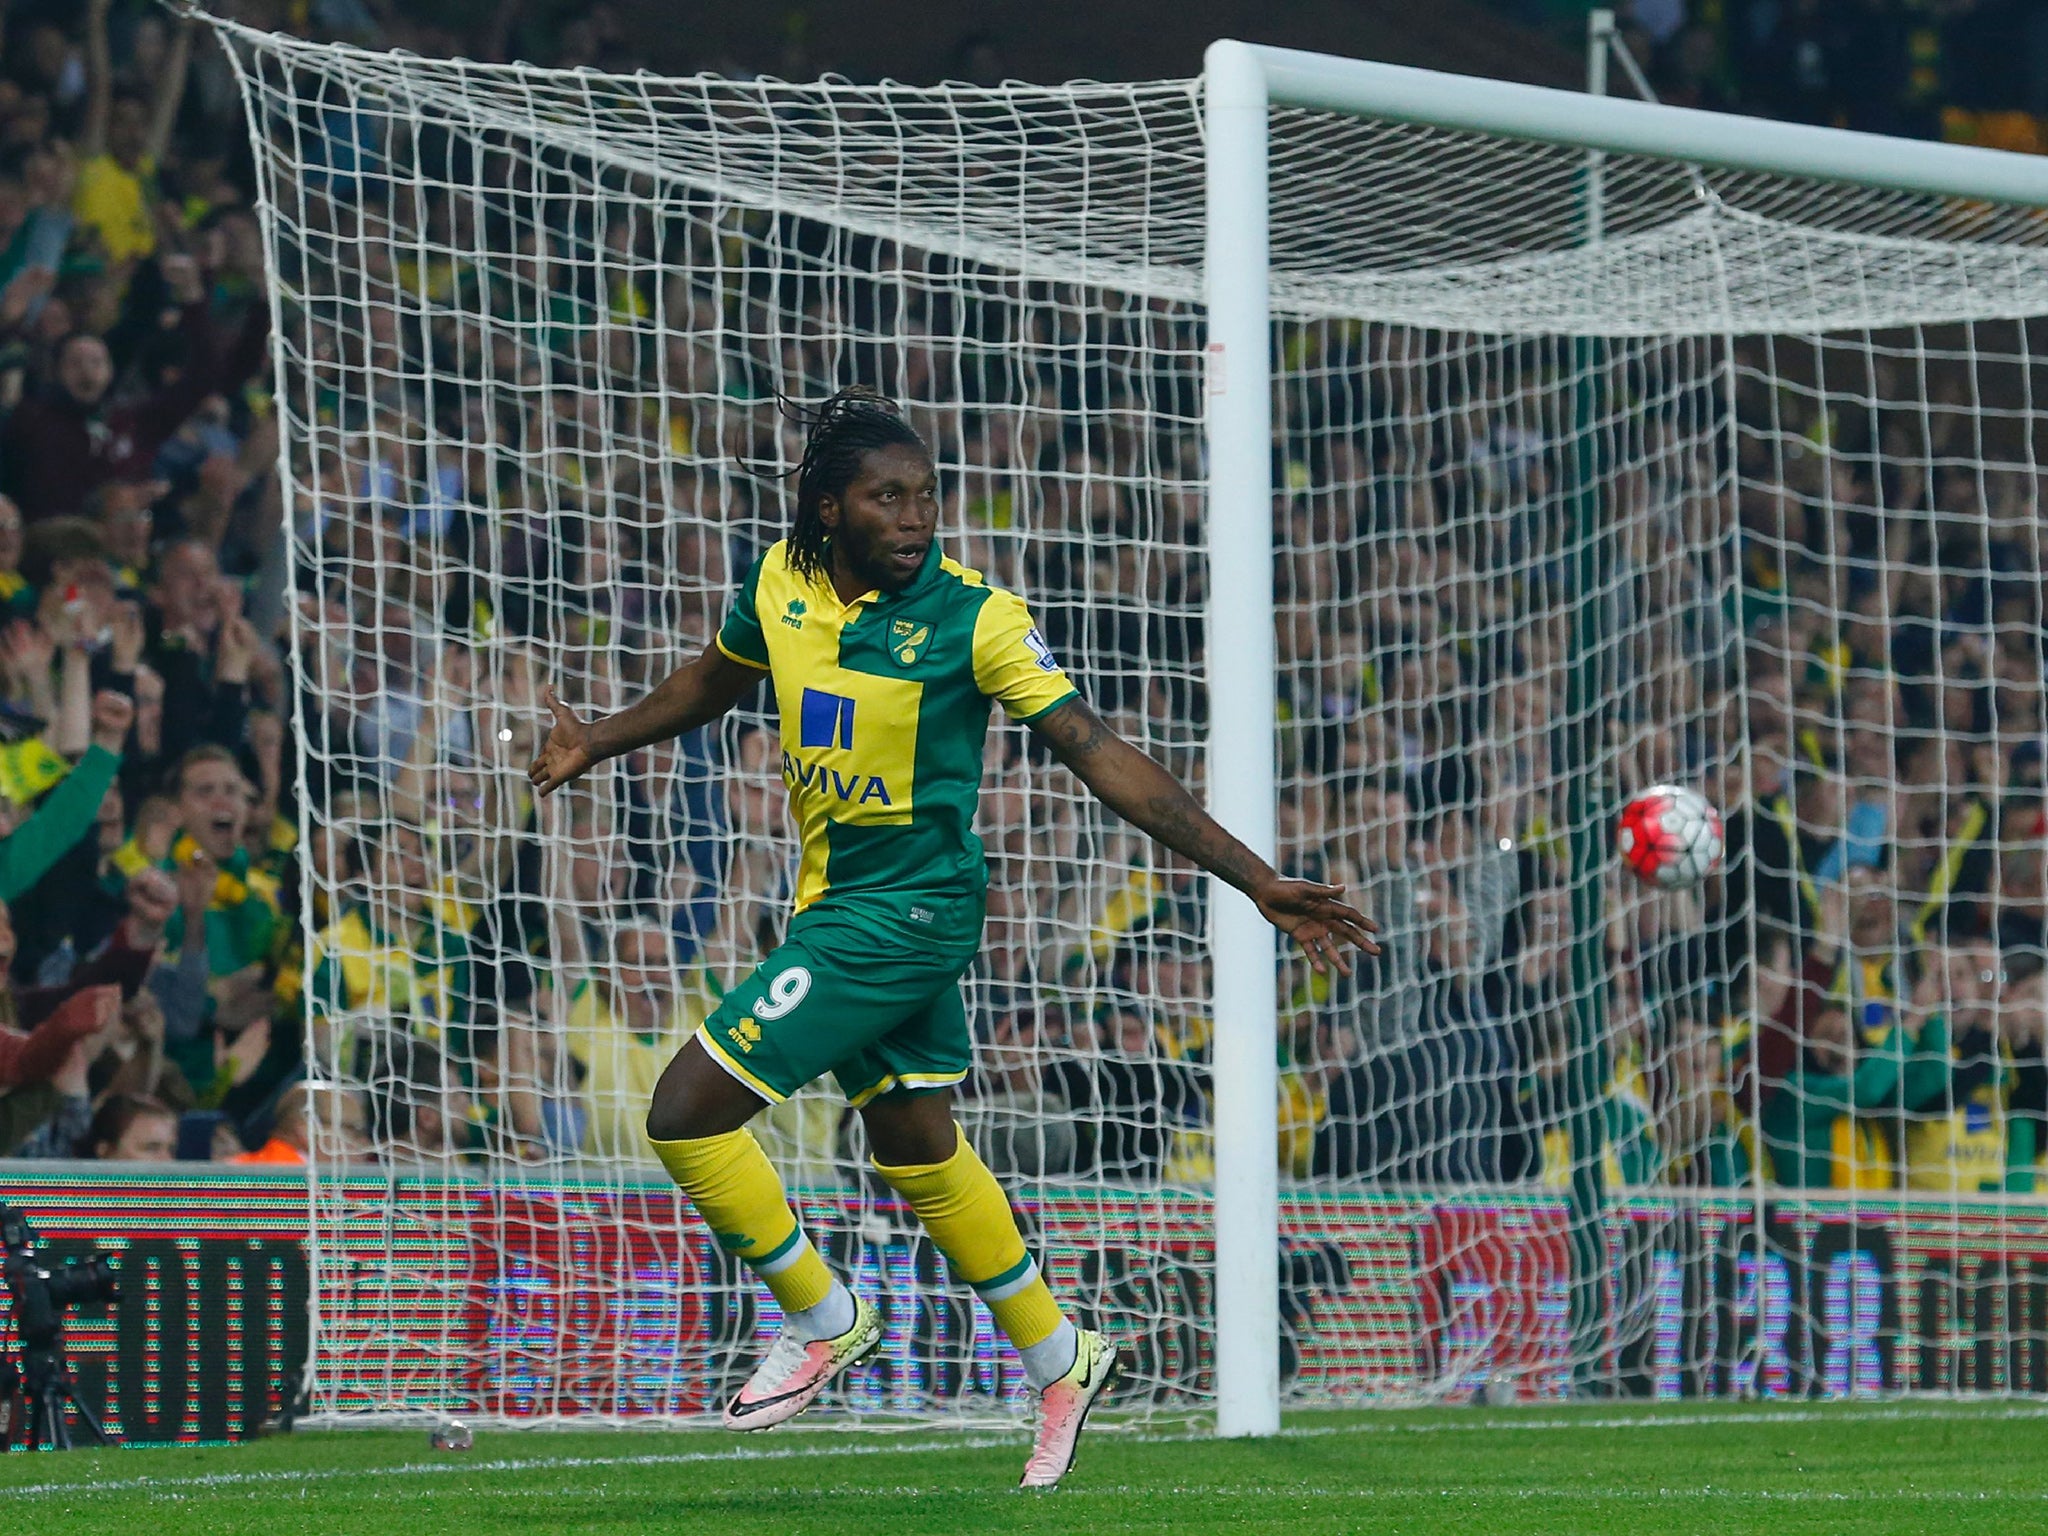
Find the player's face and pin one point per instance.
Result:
(883, 525)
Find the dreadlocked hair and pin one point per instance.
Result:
(838, 435)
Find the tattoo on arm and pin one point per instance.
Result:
(1145, 794)
(1177, 821)
(1074, 731)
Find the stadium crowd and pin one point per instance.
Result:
(1838, 636)
(1972, 71)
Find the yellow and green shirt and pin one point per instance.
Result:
(884, 704)
(1959, 1135)
(419, 975)
(621, 1066)
(244, 924)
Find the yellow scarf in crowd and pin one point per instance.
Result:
(27, 768)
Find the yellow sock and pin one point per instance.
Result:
(962, 1206)
(734, 1187)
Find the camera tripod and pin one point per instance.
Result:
(39, 1295)
(47, 1389)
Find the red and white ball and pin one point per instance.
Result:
(1670, 837)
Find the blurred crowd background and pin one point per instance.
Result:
(1973, 71)
(1823, 607)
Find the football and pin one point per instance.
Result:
(1670, 837)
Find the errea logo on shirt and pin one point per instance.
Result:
(793, 615)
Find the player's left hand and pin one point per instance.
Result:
(1311, 914)
(566, 755)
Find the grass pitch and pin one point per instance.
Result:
(1645, 1469)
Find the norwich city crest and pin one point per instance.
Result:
(907, 640)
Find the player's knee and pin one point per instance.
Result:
(667, 1120)
(682, 1116)
(911, 1130)
(695, 1099)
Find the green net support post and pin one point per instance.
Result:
(1586, 813)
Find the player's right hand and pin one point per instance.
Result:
(566, 755)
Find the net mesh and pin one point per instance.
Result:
(1741, 496)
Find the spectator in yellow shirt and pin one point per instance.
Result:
(624, 1028)
(123, 141)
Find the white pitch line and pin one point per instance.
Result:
(1831, 1415)
(1573, 1493)
(1446, 1493)
(455, 1464)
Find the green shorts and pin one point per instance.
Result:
(879, 1011)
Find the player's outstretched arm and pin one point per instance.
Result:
(1147, 796)
(695, 694)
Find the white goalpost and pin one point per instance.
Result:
(1243, 84)
(1418, 465)
(1242, 764)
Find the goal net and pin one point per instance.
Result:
(1739, 495)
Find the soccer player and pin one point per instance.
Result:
(885, 656)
